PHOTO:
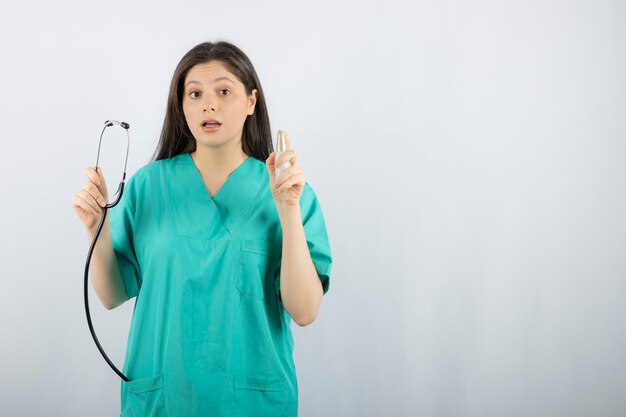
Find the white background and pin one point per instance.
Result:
(469, 157)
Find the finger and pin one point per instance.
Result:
(81, 201)
(89, 199)
(100, 175)
(288, 156)
(286, 174)
(292, 181)
(93, 176)
(77, 202)
(82, 208)
(91, 189)
(103, 184)
(97, 178)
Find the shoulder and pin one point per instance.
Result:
(151, 173)
(308, 194)
(257, 166)
(149, 170)
(146, 180)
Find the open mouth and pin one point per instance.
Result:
(210, 123)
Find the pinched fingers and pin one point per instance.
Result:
(88, 202)
(298, 179)
(85, 201)
(91, 190)
(98, 179)
(93, 176)
(288, 156)
(288, 174)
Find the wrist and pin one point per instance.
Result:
(91, 231)
(287, 211)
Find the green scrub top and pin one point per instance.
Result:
(209, 334)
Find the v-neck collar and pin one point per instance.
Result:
(205, 217)
(231, 178)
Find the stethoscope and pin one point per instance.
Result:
(119, 192)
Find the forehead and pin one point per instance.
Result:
(208, 72)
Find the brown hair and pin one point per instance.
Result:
(176, 138)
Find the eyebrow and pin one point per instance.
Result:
(214, 81)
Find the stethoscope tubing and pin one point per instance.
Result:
(119, 192)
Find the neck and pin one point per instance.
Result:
(218, 162)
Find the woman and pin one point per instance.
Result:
(220, 253)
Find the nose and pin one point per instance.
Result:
(207, 106)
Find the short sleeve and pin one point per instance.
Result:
(122, 224)
(316, 237)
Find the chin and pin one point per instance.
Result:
(215, 142)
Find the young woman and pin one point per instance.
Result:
(220, 253)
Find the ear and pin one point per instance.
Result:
(252, 101)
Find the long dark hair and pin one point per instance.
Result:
(176, 138)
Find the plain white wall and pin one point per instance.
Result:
(469, 158)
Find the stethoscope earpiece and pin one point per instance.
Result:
(126, 126)
(109, 123)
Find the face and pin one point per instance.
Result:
(212, 92)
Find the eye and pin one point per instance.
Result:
(225, 89)
(194, 94)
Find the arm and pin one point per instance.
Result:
(105, 273)
(300, 285)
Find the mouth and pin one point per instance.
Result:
(211, 123)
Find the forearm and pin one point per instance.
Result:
(104, 271)
(300, 286)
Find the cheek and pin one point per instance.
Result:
(187, 111)
(242, 109)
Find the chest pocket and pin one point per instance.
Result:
(258, 264)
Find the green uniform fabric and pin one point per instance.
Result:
(209, 335)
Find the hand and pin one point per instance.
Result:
(287, 188)
(90, 199)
